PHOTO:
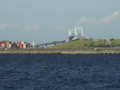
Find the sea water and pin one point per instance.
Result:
(59, 72)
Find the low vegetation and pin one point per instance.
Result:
(81, 43)
(115, 43)
(88, 43)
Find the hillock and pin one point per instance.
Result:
(115, 42)
(81, 43)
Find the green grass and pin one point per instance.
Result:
(115, 42)
(82, 43)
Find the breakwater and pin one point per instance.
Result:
(61, 51)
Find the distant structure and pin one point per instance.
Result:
(76, 33)
(70, 32)
(73, 34)
(33, 44)
(14, 44)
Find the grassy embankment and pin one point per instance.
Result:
(115, 43)
(82, 43)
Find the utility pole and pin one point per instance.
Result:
(111, 44)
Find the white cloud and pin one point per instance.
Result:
(83, 20)
(6, 25)
(30, 27)
(58, 27)
(107, 19)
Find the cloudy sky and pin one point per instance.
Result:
(43, 21)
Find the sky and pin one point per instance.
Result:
(42, 21)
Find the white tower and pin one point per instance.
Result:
(33, 44)
(78, 31)
(70, 32)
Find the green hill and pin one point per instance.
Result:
(82, 43)
(115, 42)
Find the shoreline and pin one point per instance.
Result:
(60, 51)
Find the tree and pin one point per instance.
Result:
(85, 44)
(111, 39)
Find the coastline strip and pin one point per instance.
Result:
(59, 51)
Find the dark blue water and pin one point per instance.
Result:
(59, 72)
